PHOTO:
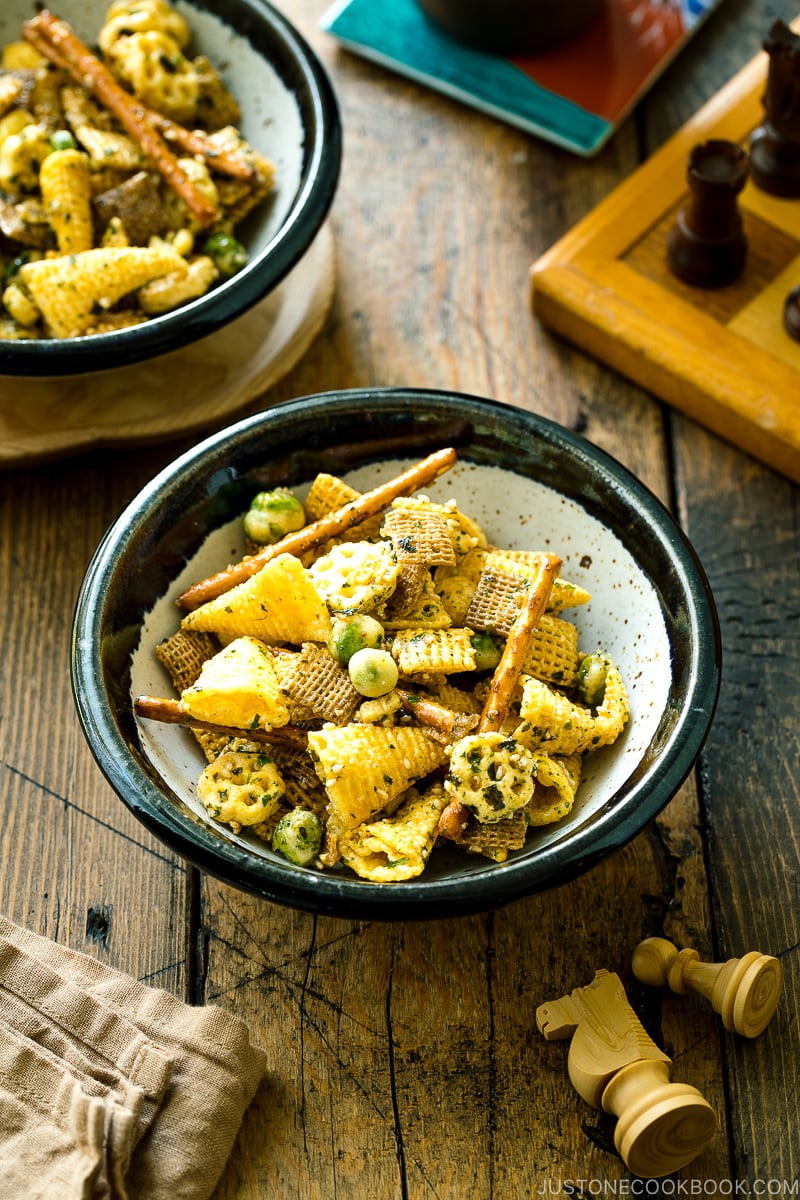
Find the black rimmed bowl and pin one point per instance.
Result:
(530, 484)
(289, 113)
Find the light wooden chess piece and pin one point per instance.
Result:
(744, 991)
(614, 1065)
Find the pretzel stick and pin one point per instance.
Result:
(40, 43)
(55, 39)
(331, 525)
(436, 716)
(517, 645)
(191, 140)
(453, 820)
(172, 712)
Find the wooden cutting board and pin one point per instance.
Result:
(721, 356)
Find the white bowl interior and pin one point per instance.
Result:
(624, 618)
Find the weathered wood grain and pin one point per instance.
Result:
(75, 865)
(750, 779)
(405, 1058)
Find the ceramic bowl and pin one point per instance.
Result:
(530, 484)
(289, 113)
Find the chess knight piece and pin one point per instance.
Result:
(775, 144)
(614, 1065)
(744, 991)
(707, 246)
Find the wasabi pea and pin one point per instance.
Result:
(372, 672)
(350, 634)
(272, 515)
(590, 685)
(62, 139)
(488, 651)
(298, 836)
(227, 254)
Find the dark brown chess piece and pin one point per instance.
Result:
(707, 246)
(791, 314)
(775, 144)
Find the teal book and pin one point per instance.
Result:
(574, 95)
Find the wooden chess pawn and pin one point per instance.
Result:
(614, 1065)
(707, 246)
(744, 991)
(775, 144)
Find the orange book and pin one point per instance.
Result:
(575, 94)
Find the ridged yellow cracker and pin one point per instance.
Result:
(19, 304)
(396, 847)
(551, 721)
(553, 652)
(174, 289)
(326, 494)
(278, 604)
(11, 89)
(67, 198)
(557, 781)
(365, 767)
(20, 56)
(329, 493)
(238, 687)
(437, 651)
(69, 289)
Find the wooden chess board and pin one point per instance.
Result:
(721, 356)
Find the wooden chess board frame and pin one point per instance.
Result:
(721, 356)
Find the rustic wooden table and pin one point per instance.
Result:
(405, 1057)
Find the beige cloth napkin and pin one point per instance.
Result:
(109, 1089)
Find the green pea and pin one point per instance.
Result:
(227, 254)
(488, 651)
(350, 634)
(272, 515)
(590, 685)
(372, 672)
(62, 139)
(298, 836)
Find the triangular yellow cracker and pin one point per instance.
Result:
(278, 604)
(396, 847)
(238, 687)
(365, 767)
